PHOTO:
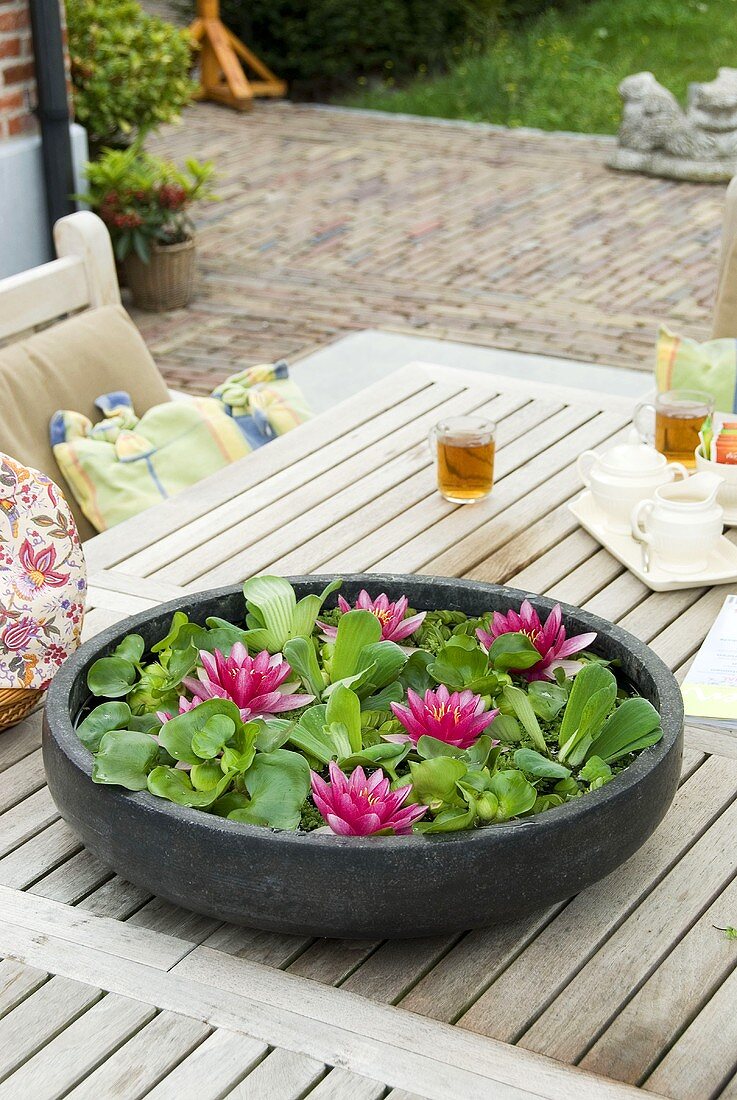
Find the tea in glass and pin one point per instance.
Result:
(464, 453)
(679, 417)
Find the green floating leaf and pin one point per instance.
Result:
(463, 665)
(356, 629)
(538, 766)
(131, 648)
(273, 733)
(175, 785)
(177, 734)
(278, 784)
(448, 821)
(125, 759)
(517, 699)
(239, 753)
(547, 699)
(507, 729)
(387, 754)
(301, 655)
(516, 796)
(592, 696)
(634, 725)
(596, 772)
(434, 780)
(179, 619)
(513, 651)
(112, 677)
(207, 776)
(106, 717)
(415, 673)
(209, 741)
(344, 708)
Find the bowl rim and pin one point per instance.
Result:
(58, 724)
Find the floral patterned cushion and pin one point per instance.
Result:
(42, 577)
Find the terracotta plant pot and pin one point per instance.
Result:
(363, 887)
(166, 281)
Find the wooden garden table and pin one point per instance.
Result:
(106, 991)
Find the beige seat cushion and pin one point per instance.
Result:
(67, 366)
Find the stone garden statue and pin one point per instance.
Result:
(659, 138)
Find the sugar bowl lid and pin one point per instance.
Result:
(631, 460)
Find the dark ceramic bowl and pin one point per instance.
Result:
(364, 887)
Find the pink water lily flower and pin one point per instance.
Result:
(459, 718)
(360, 806)
(394, 626)
(255, 684)
(549, 639)
(185, 705)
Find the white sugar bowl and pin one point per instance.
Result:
(623, 476)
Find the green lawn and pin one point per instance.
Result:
(560, 72)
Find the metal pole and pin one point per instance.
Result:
(52, 109)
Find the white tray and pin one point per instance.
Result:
(721, 568)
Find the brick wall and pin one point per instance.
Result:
(17, 83)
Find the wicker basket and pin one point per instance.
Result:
(166, 281)
(16, 703)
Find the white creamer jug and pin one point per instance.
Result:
(682, 523)
(623, 476)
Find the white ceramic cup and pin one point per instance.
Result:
(682, 523)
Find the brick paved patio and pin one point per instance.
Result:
(333, 221)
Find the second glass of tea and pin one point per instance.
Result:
(679, 417)
(463, 448)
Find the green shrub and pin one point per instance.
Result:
(130, 70)
(319, 45)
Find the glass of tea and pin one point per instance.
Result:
(463, 448)
(678, 418)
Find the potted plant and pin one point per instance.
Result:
(363, 770)
(145, 203)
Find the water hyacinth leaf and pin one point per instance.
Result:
(516, 796)
(180, 664)
(507, 729)
(591, 679)
(522, 707)
(451, 820)
(461, 665)
(145, 723)
(112, 677)
(381, 662)
(151, 692)
(270, 602)
(478, 754)
(392, 693)
(596, 772)
(415, 673)
(124, 759)
(309, 734)
(344, 708)
(131, 648)
(539, 766)
(178, 620)
(356, 629)
(592, 720)
(210, 741)
(387, 755)
(308, 608)
(205, 777)
(273, 733)
(239, 753)
(105, 717)
(513, 651)
(231, 800)
(176, 735)
(300, 653)
(176, 786)
(429, 747)
(634, 725)
(277, 784)
(547, 699)
(222, 635)
(434, 780)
